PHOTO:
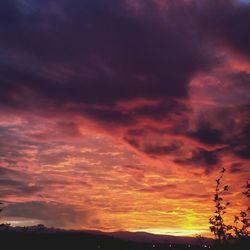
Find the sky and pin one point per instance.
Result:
(119, 115)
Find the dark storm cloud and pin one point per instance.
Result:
(228, 21)
(227, 127)
(207, 134)
(242, 146)
(156, 150)
(51, 213)
(236, 168)
(201, 158)
(133, 142)
(105, 51)
(121, 116)
(236, 136)
(85, 56)
(161, 110)
(112, 53)
(110, 116)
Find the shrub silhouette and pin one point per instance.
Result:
(242, 221)
(240, 232)
(220, 230)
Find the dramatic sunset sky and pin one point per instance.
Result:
(119, 114)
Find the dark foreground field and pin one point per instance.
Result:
(87, 241)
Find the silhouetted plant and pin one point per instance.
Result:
(242, 222)
(220, 230)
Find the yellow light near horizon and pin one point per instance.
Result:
(174, 232)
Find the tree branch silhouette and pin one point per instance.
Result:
(219, 228)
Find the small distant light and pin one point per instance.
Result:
(170, 245)
(205, 245)
(189, 246)
(153, 245)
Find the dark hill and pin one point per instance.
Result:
(40, 237)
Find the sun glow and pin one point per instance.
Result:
(172, 231)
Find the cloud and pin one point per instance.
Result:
(206, 134)
(236, 168)
(14, 183)
(159, 188)
(227, 21)
(50, 213)
(242, 147)
(160, 150)
(138, 56)
(201, 158)
(103, 54)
